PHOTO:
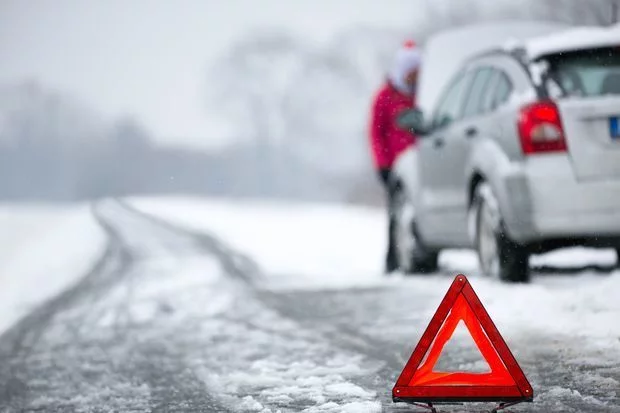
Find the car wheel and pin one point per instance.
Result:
(413, 257)
(499, 256)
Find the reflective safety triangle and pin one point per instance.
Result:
(419, 382)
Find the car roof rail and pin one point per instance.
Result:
(519, 53)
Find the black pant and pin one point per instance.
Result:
(391, 189)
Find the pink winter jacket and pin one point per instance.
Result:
(386, 139)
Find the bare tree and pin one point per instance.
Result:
(249, 86)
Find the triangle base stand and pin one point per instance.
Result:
(503, 406)
(430, 407)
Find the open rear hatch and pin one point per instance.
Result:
(586, 86)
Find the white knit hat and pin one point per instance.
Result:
(407, 59)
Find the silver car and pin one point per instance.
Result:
(520, 155)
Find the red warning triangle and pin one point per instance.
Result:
(419, 382)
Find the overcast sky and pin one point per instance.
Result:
(149, 57)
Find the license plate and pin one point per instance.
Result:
(614, 129)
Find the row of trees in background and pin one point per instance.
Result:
(299, 114)
(53, 147)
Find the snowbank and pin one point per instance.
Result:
(336, 243)
(43, 250)
(319, 246)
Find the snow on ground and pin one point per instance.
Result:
(319, 246)
(43, 250)
(308, 243)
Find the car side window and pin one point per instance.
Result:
(479, 85)
(489, 93)
(451, 105)
(503, 89)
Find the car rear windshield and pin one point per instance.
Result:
(594, 72)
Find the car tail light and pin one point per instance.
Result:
(540, 128)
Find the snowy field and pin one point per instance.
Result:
(43, 250)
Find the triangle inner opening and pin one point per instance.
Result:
(484, 357)
(462, 354)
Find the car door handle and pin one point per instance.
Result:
(471, 132)
(438, 142)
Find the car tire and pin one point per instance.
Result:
(499, 256)
(412, 255)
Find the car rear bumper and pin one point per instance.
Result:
(542, 200)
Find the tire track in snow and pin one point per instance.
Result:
(55, 360)
(342, 335)
(244, 269)
(233, 262)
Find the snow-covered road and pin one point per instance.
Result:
(184, 313)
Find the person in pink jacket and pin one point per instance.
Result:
(387, 141)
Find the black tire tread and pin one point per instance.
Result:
(513, 261)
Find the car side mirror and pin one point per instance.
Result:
(412, 120)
